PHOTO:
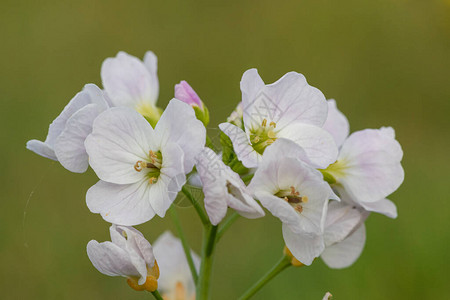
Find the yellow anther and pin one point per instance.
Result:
(139, 165)
(264, 123)
(304, 199)
(270, 141)
(271, 134)
(299, 208)
(293, 191)
(152, 180)
(273, 124)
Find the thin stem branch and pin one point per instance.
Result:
(209, 241)
(186, 248)
(282, 264)
(226, 224)
(201, 213)
(247, 178)
(157, 295)
(210, 144)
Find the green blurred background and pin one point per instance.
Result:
(386, 62)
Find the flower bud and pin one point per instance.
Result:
(185, 93)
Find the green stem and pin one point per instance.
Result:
(201, 213)
(247, 178)
(209, 241)
(186, 248)
(157, 295)
(282, 264)
(226, 224)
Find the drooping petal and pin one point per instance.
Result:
(110, 259)
(138, 248)
(336, 124)
(172, 263)
(120, 137)
(124, 204)
(42, 149)
(371, 165)
(127, 81)
(241, 144)
(315, 141)
(342, 219)
(69, 146)
(304, 247)
(223, 187)
(46, 148)
(151, 63)
(179, 125)
(345, 253)
(383, 206)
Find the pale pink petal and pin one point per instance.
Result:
(337, 124)
(304, 247)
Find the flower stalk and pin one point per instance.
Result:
(186, 248)
(209, 241)
(282, 264)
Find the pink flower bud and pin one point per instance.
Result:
(185, 93)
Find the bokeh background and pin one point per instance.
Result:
(386, 62)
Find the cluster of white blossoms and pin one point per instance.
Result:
(285, 148)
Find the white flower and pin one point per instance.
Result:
(222, 188)
(132, 83)
(66, 134)
(296, 193)
(344, 234)
(175, 281)
(288, 108)
(368, 167)
(129, 255)
(141, 169)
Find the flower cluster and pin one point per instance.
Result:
(285, 148)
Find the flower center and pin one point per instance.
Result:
(263, 136)
(292, 196)
(152, 166)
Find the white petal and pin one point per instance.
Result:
(384, 206)
(342, 219)
(76, 103)
(317, 143)
(138, 248)
(345, 253)
(372, 165)
(172, 263)
(69, 146)
(244, 150)
(124, 204)
(151, 63)
(285, 148)
(304, 247)
(327, 296)
(288, 100)
(336, 124)
(42, 149)
(120, 137)
(110, 259)
(179, 125)
(280, 209)
(251, 85)
(127, 81)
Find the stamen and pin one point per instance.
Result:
(139, 165)
(152, 180)
(255, 139)
(264, 123)
(298, 208)
(293, 191)
(304, 199)
(273, 124)
(271, 134)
